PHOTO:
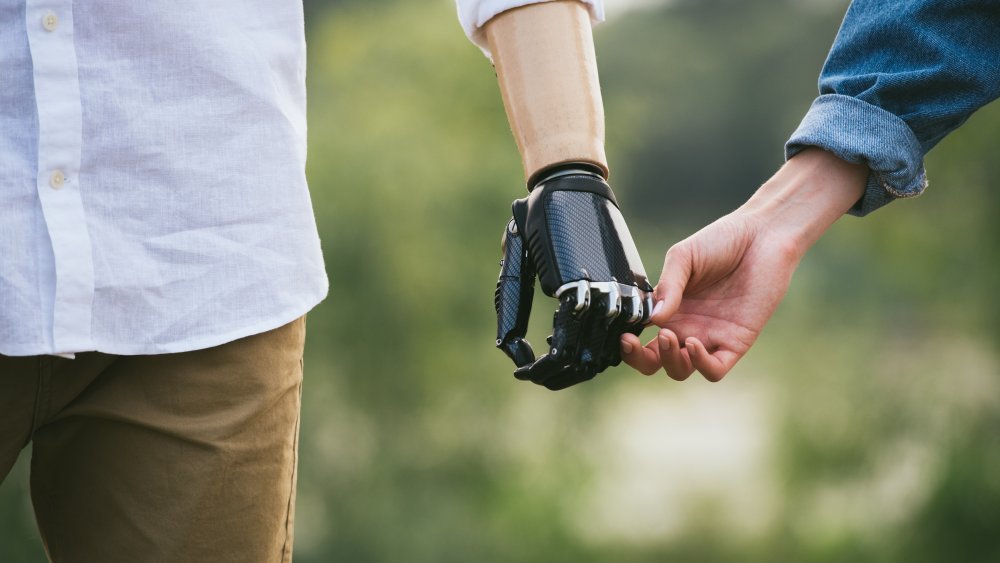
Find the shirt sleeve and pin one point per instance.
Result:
(473, 15)
(899, 77)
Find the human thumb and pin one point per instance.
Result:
(673, 279)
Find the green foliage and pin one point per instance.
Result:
(701, 97)
(19, 540)
(862, 427)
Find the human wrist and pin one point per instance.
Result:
(807, 195)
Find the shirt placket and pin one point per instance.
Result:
(57, 94)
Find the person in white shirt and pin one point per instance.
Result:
(158, 254)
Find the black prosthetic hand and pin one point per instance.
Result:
(570, 233)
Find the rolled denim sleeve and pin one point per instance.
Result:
(900, 76)
(473, 15)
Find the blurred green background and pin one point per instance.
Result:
(864, 425)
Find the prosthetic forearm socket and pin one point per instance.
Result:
(547, 71)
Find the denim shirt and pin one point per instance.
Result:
(900, 76)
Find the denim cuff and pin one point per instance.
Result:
(859, 132)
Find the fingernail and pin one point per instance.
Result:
(689, 344)
(626, 348)
(664, 341)
(657, 308)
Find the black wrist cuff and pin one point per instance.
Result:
(566, 168)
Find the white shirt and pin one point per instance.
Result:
(152, 172)
(152, 187)
(475, 13)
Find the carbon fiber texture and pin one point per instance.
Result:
(585, 245)
(505, 299)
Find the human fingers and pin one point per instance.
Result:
(645, 360)
(713, 366)
(673, 358)
(673, 279)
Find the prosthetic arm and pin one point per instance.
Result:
(568, 231)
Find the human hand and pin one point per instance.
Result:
(570, 231)
(720, 286)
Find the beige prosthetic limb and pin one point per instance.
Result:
(545, 63)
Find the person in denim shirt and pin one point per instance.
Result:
(899, 77)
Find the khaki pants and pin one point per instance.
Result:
(177, 458)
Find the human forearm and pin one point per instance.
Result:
(547, 70)
(807, 195)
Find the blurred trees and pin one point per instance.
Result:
(862, 427)
(701, 97)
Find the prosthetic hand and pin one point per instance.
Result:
(570, 233)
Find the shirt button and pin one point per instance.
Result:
(57, 179)
(50, 21)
